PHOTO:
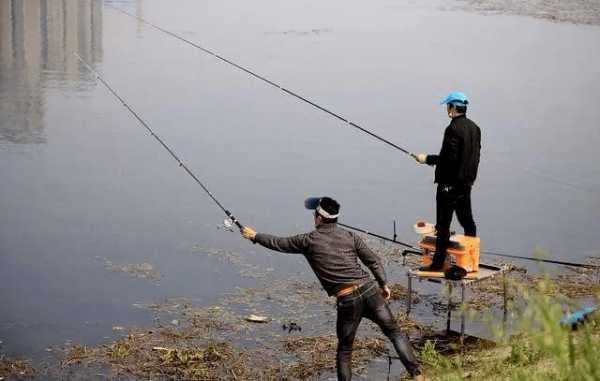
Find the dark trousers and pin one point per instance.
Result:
(368, 302)
(450, 199)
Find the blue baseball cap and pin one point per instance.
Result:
(456, 98)
(312, 203)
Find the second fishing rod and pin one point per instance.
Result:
(230, 215)
(285, 90)
(268, 81)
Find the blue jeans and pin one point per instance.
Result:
(368, 302)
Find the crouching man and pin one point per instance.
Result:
(333, 254)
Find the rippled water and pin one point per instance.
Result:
(81, 181)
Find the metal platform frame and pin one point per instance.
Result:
(486, 272)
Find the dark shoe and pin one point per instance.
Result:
(431, 268)
(455, 273)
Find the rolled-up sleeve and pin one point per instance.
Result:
(371, 260)
(297, 244)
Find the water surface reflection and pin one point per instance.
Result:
(37, 39)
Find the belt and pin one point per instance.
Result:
(345, 290)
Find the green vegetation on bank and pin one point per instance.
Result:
(538, 349)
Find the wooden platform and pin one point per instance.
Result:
(485, 272)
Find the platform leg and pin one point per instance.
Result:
(505, 296)
(462, 316)
(409, 305)
(449, 318)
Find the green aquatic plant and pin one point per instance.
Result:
(538, 347)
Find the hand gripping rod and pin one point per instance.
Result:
(162, 143)
(266, 80)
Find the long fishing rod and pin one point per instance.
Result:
(552, 261)
(266, 80)
(162, 143)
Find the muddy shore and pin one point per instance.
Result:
(571, 11)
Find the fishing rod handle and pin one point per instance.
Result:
(237, 223)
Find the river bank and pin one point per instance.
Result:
(296, 340)
(542, 349)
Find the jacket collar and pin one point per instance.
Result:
(326, 227)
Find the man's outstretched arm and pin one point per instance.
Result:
(297, 244)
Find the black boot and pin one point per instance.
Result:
(432, 268)
(405, 353)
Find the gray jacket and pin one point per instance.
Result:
(332, 253)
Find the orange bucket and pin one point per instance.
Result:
(465, 254)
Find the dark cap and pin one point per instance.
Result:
(325, 206)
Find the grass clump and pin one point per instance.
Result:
(317, 354)
(541, 349)
(139, 355)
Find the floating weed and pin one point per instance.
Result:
(185, 355)
(246, 269)
(160, 354)
(571, 11)
(16, 368)
(143, 270)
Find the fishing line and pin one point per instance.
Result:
(290, 92)
(378, 236)
(266, 80)
(315, 105)
(162, 143)
(416, 249)
(234, 220)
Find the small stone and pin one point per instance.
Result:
(257, 319)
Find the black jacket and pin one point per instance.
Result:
(333, 254)
(458, 160)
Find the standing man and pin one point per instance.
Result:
(455, 173)
(333, 254)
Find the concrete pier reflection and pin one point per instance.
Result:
(37, 38)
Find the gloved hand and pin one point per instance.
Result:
(248, 233)
(421, 158)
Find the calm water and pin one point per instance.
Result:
(81, 181)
